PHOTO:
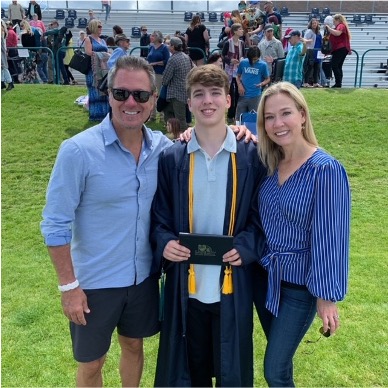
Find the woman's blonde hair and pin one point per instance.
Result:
(93, 26)
(269, 152)
(26, 26)
(342, 19)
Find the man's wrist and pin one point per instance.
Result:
(69, 287)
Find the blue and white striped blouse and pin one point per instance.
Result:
(306, 221)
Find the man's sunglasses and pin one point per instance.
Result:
(325, 333)
(138, 95)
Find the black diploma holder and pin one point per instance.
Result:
(206, 248)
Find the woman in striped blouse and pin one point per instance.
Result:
(305, 211)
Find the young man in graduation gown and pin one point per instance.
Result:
(207, 186)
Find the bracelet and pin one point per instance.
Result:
(69, 287)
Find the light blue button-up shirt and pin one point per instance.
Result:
(99, 200)
(210, 182)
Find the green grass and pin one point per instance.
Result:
(36, 352)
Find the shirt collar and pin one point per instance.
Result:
(229, 144)
(110, 135)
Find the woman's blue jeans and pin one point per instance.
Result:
(284, 333)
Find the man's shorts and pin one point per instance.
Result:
(133, 310)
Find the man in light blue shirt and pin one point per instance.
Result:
(123, 43)
(96, 226)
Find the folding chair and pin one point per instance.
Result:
(59, 14)
(213, 17)
(284, 11)
(188, 16)
(82, 23)
(368, 19)
(278, 69)
(72, 13)
(201, 15)
(136, 32)
(249, 120)
(356, 19)
(69, 22)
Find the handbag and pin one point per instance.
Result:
(81, 61)
(162, 102)
(326, 46)
(222, 42)
(103, 85)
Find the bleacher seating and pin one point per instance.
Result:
(3, 13)
(72, 13)
(69, 22)
(188, 16)
(136, 32)
(222, 17)
(368, 19)
(213, 17)
(364, 36)
(82, 23)
(284, 11)
(314, 16)
(326, 11)
(59, 14)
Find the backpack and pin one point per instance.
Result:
(326, 46)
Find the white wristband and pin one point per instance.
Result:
(68, 287)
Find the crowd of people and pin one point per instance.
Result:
(244, 28)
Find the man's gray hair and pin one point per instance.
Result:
(129, 62)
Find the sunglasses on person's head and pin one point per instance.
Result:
(99, 26)
(138, 95)
(144, 29)
(325, 333)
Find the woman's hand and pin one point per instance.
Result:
(328, 312)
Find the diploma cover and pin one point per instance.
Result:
(206, 248)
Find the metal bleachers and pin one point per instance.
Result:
(364, 36)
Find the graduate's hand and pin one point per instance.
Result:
(242, 130)
(173, 251)
(232, 257)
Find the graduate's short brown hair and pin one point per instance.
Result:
(207, 75)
